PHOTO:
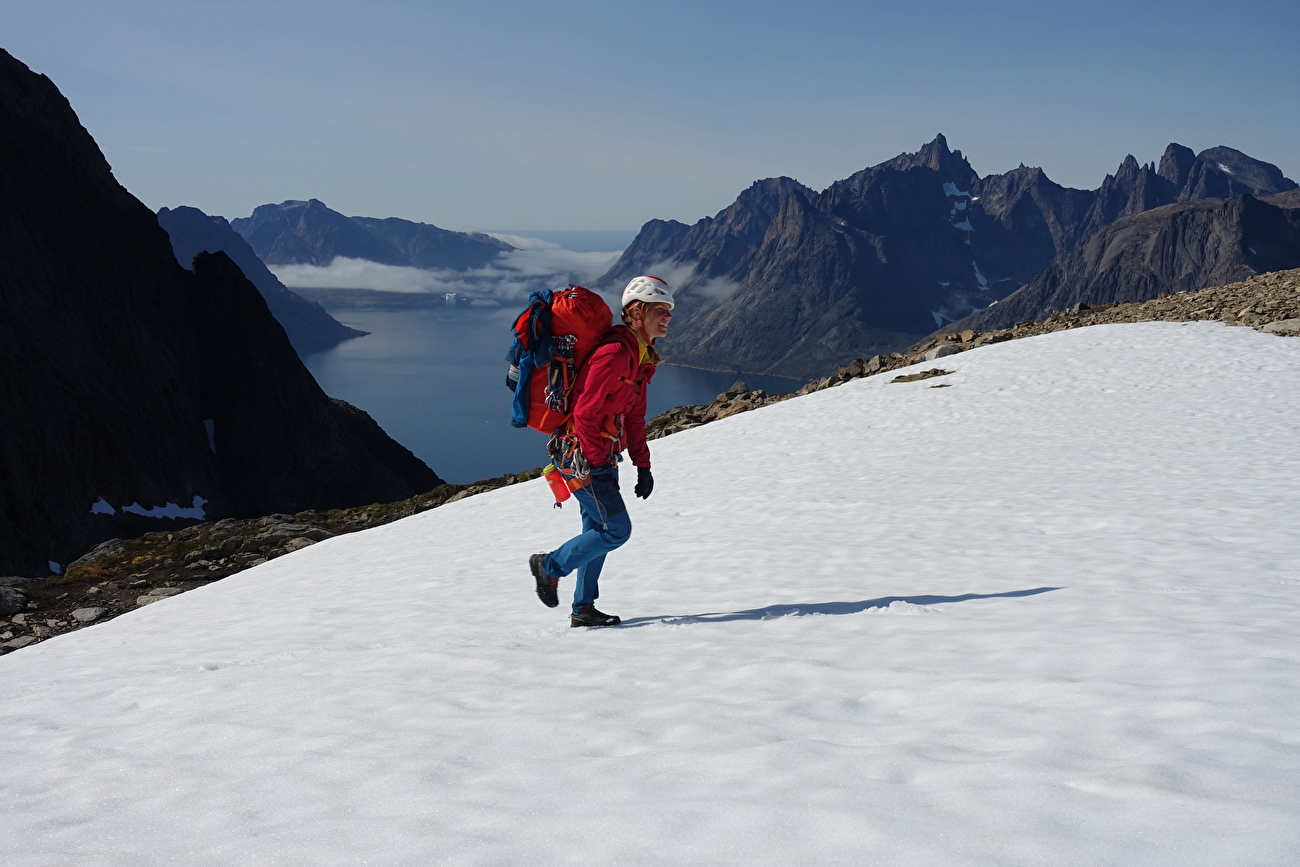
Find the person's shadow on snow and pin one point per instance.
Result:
(771, 612)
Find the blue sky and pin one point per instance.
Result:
(585, 115)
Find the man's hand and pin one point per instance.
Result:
(645, 483)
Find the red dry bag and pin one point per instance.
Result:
(579, 320)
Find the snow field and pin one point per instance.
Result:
(1045, 616)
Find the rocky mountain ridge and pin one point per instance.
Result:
(789, 281)
(1168, 249)
(309, 233)
(309, 327)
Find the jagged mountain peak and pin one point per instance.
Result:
(949, 166)
(1262, 178)
(932, 155)
(754, 208)
(890, 250)
(1176, 164)
(1024, 171)
(768, 191)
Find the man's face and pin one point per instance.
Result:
(655, 319)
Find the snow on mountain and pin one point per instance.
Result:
(1043, 616)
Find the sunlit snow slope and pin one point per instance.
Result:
(1045, 616)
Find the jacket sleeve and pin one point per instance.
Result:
(600, 373)
(634, 425)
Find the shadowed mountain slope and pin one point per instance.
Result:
(309, 327)
(129, 383)
(1174, 248)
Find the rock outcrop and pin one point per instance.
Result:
(788, 281)
(309, 233)
(309, 327)
(735, 400)
(136, 395)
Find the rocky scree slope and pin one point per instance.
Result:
(309, 233)
(132, 389)
(119, 575)
(308, 326)
(789, 281)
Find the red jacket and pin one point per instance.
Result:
(605, 395)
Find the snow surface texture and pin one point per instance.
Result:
(1046, 616)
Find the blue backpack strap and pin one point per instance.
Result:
(538, 353)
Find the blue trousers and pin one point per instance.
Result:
(602, 532)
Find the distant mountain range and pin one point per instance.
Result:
(794, 282)
(309, 327)
(309, 233)
(1173, 248)
(137, 395)
(791, 281)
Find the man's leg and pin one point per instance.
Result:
(587, 589)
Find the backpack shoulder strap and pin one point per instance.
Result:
(622, 334)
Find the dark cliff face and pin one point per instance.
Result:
(309, 233)
(281, 444)
(792, 282)
(115, 363)
(1184, 246)
(1176, 164)
(309, 327)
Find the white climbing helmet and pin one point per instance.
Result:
(648, 289)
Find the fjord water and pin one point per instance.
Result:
(434, 379)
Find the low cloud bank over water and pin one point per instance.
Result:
(511, 276)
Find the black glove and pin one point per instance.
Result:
(645, 483)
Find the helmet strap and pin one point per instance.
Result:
(639, 330)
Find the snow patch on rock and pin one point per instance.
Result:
(170, 510)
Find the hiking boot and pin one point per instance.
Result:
(546, 585)
(589, 616)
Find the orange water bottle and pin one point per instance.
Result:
(559, 485)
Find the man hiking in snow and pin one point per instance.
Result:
(608, 416)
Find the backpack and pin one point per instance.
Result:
(553, 338)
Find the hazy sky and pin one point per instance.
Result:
(602, 115)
